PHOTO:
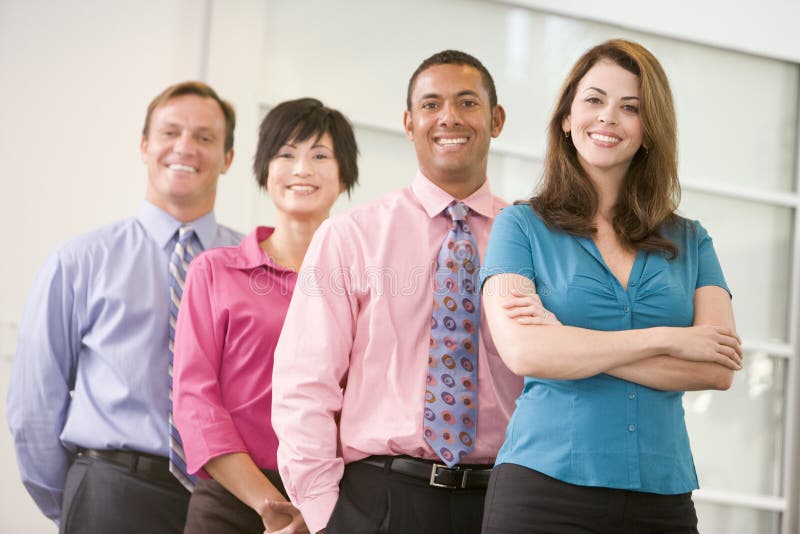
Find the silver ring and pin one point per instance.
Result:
(546, 315)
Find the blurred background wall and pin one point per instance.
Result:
(77, 77)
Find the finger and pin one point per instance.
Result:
(727, 362)
(519, 302)
(528, 310)
(529, 320)
(525, 293)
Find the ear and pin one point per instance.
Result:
(498, 120)
(566, 124)
(228, 161)
(408, 125)
(143, 147)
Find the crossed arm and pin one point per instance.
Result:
(533, 342)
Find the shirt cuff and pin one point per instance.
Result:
(317, 512)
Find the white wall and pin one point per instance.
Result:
(767, 27)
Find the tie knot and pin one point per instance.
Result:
(185, 233)
(458, 211)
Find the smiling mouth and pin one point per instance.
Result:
(182, 168)
(302, 188)
(605, 138)
(449, 141)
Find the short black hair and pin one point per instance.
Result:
(454, 57)
(299, 120)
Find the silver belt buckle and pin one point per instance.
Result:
(434, 471)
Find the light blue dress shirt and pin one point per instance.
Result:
(602, 431)
(91, 363)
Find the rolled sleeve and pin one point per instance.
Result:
(206, 426)
(308, 375)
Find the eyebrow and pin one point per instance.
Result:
(606, 94)
(465, 92)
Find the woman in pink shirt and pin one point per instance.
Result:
(231, 314)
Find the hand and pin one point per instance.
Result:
(281, 517)
(707, 343)
(527, 308)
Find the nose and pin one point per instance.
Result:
(450, 115)
(301, 167)
(608, 115)
(184, 144)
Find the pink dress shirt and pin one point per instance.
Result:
(232, 310)
(354, 348)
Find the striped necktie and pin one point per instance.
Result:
(182, 254)
(451, 400)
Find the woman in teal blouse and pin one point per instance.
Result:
(611, 306)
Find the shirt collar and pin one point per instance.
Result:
(162, 226)
(251, 255)
(434, 199)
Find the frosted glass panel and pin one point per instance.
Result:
(736, 112)
(736, 435)
(753, 242)
(719, 519)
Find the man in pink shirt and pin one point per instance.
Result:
(353, 367)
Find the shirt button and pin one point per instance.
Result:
(633, 283)
(626, 309)
(631, 428)
(631, 396)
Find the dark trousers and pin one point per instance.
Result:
(521, 500)
(101, 498)
(373, 500)
(215, 510)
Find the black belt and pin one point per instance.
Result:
(438, 475)
(149, 466)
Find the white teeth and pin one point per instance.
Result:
(302, 188)
(451, 141)
(604, 138)
(184, 168)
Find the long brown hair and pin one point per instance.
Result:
(650, 192)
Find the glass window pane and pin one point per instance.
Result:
(755, 257)
(720, 519)
(365, 75)
(736, 435)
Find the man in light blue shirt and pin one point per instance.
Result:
(89, 394)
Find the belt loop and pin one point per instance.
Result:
(387, 464)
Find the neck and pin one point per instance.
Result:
(183, 212)
(459, 187)
(288, 243)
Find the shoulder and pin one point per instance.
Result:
(96, 243)
(684, 232)
(392, 207)
(521, 215)
(227, 237)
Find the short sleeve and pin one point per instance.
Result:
(509, 249)
(709, 271)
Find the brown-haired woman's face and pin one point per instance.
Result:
(604, 120)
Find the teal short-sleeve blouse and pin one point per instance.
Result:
(602, 431)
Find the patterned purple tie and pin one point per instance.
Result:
(182, 254)
(451, 396)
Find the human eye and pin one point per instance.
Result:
(469, 103)
(429, 105)
(169, 133)
(593, 100)
(321, 155)
(631, 108)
